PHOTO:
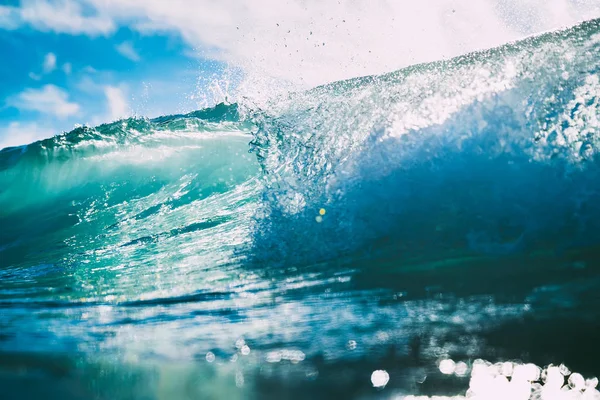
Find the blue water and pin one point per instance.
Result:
(387, 223)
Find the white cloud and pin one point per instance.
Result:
(67, 68)
(9, 17)
(126, 50)
(60, 16)
(49, 64)
(116, 107)
(116, 104)
(88, 85)
(314, 41)
(49, 99)
(90, 70)
(18, 133)
(93, 82)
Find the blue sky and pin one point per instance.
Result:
(69, 62)
(50, 81)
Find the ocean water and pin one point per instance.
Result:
(429, 232)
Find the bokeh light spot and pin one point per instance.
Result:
(380, 378)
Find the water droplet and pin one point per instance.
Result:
(274, 356)
(576, 381)
(245, 350)
(447, 367)
(591, 383)
(239, 379)
(461, 369)
(380, 378)
(564, 370)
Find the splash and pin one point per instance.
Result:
(444, 150)
(444, 210)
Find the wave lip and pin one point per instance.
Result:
(493, 152)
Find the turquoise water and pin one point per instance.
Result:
(342, 242)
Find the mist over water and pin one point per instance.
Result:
(378, 237)
(297, 44)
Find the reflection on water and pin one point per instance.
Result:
(388, 234)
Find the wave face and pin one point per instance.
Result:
(430, 211)
(494, 153)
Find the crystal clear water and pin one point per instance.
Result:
(372, 238)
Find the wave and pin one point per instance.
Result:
(449, 209)
(111, 190)
(489, 159)
(491, 153)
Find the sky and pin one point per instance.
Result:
(72, 62)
